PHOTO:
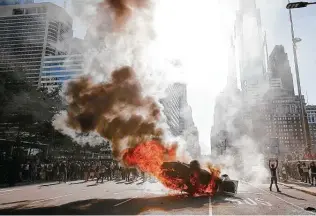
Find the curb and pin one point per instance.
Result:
(299, 189)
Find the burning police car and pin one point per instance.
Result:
(196, 181)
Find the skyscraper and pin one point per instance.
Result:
(311, 117)
(15, 2)
(277, 116)
(28, 33)
(280, 70)
(227, 111)
(248, 31)
(173, 103)
(179, 117)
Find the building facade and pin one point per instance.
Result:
(227, 126)
(280, 119)
(29, 33)
(59, 69)
(280, 70)
(14, 2)
(311, 118)
(250, 48)
(179, 117)
(173, 103)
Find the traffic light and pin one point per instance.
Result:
(294, 5)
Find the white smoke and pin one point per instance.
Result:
(133, 45)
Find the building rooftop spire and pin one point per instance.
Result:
(232, 74)
(247, 4)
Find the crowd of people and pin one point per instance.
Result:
(303, 171)
(63, 171)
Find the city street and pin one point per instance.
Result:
(117, 198)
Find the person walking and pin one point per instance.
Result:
(313, 172)
(273, 169)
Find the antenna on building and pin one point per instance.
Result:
(65, 4)
(266, 49)
(306, 98)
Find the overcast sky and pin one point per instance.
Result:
(204, 87)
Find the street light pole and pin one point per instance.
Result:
(300, 4)
(298, 81)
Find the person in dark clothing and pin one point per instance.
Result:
(12, 171)
(313, 173)
(63, 172)
(274, 179)
(300, 170)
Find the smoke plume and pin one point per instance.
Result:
(116, 110)
(122, 9)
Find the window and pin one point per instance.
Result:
(18, 11)
(30, 11)
(41, 10)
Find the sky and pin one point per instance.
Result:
(204, 47)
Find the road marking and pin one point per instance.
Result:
(210, 212)
(250, 193)
(124, 201)
(292, 204)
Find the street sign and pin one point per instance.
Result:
(294, 5)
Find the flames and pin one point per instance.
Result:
(151, 156)
(118, 111)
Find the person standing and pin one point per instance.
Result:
(63, 172)
(300, 171)
(273, 169)
(313, 172)
(306, 173)
(86, 172)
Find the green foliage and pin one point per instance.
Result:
(26, 110)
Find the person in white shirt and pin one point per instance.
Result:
(306, 173)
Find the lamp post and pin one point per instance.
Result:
(295, 5)
(294, 41)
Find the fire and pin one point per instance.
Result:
(151, 157)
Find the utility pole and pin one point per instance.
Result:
(298, 82)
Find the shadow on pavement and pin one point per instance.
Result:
(298, 183)
(81, 182)
(92, 185)
(17, 202)
(140, 183)
(120, 182)
(115, 207)
(287, 195)
(48, 185)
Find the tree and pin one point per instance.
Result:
(26, 110)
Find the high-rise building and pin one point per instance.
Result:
(280, 71)
(250, 46)
(311, 117)
(179, 117)
(280, 119)
(28, 34)
(59, 69)
(15, 2)
(277, 116)
(227, 126)
(173, 103)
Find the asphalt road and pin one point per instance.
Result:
(119, 198)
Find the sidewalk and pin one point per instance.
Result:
(300, 186)
(25, 183)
